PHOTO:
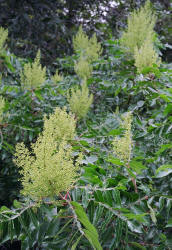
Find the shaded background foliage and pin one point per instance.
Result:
(50, 25)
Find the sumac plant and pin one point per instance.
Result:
(93, 173)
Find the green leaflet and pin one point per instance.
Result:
(163, 148)
(137, 245)
(90, 231)
(152, 213)
(92, 239)
(163, 170)
(76, 243)
(169, 223)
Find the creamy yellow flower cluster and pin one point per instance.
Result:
(80, 100)
(139, 37)
(33, 74)
(89, 50)
(122, 146)
(57, 77)
(3, 38)
(146, 56)
(2, 105)
(49, 168)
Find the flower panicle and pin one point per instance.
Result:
(140, 25)
(146, 56)
(140, 38)
(57, 77)
(49, 168)
(33, 74)
(80, 100)
(2, 105)
(89, 49)
(122, 146)
(3, 38)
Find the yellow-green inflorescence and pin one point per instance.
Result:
(139, 37)
(80, 100)
(88, 50)
(3, 38)
(146, 56)
(83, 68)
(122, 146)
(140, 25)
(2, 105)
(60, 125)
(33, 74)
(49, 168)
(57, 77)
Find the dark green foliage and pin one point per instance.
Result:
(50, 25)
